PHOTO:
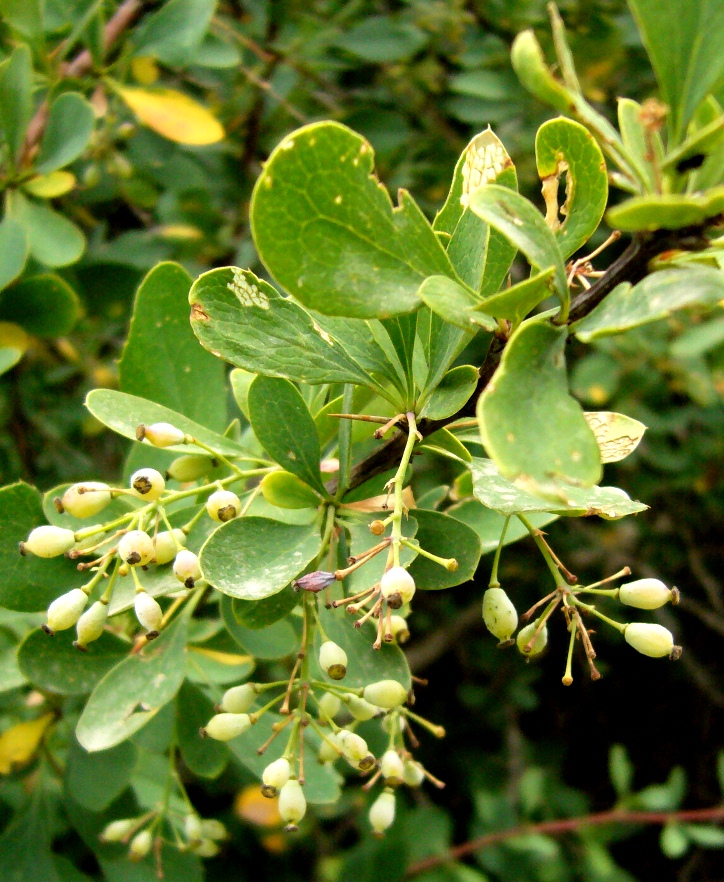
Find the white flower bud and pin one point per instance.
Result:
(48, 541)
(360, 709)
(645, 594)
(186, 567)
(275, 776)
(330, 748)
(165, 549)
(136, 548)
(65, 610)
(413, 774)
(499, 614)
(386, 694)
(148, 484)
(525, 635)
(393, 769)
(140, 845)
(399, 629)
(117, 831)
(239, 699)
(190, 467)
(393, 723)
(382, 812)
(333, 660)
(85, 499)
(223, 506)
(91, 624)
(213, 829)
(148, 612)
(397, 587)
(329, 704)
(192, 828)
(648, 639)
(225, 726)
(353, 746)
(292, 804)
(205, 848)
(160, 434)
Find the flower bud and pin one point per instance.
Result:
(377, 528)
(148, 612)
(149, 484)
(393, 769)
(525, 635)
(397, 587)
(386, 694)
(382, 812)
(205, 848)
(329, 705)
(225, 726)
(160, 434)
(86, 499)
(192, 827)
(213, 829)
(190, 467)
(360, 709)
(413, 774)
(165, 549)
(499, 614)
(292, 804)
(330, 749)
(333, 660)
(275, 776)
(48, 541)
(117, 831)
(648, 639)
(314, 582)
(186, 568)
(140, 845)
(399, 630)
(91, 624)
(223, 506)
(393, 723)
(136, 548)
(239, 699)
(353, 746)
(645, 594)
(65, 611)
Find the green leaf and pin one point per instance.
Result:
(635, 140)
(326, 229)
(246, 321)
(53, 239)
(488, 524)
(285, 428)
(548, 439)
(684, 42)
(699, 339)
(25, 843)
(95, 780)
(445, 443)
(516, 302)
(446, 537)
(620, 770)
(530, 65)
(131, 694)
(441, 343)
(67, 134)
(16, 98)
(44, 305)
(53, 663)
(669, 212)
(257, 614)
(162, 359)
(253, 558)
(26, 16)
(523, 225)
(455, 304)
(381, 39)
(562, 145)
(674, 841)
(13, 250)
(178, 866)
(29, 583)
(175, 31)
(706, 835)
(617, 435)
(288, 491)
(654, 298)
(452, 393)
(209, 664)
(495, 492)
(124, 413)
(204, 757)
(276, 640)
(361, 540)
(9, 357)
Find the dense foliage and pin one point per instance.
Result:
(419, 386)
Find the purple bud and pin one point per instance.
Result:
(314, 581)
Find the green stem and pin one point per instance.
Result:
(446, 562)
(592, 609)
(555, 572)
(494, 583)
(108, 593)
(399, 479)
(227, 462)
(344, 448)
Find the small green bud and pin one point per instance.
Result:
(165, 547)
(223, 506)
(525, 635)
(275, 776)
(413, 774)
(48, 541)
(86, 499)
(645, 594)
(382, 812)
(65, 611)
(353, 746)
(225, 726)
(329, 704)
(292, 804)
(392, 767)
(399, 629)
(148, 484)
(140, 845)
(160, 434)
(397, 587)
(386, 694)
(330, 749)
(192, 827)
(360, 709)
(186, 568)
(499, 614)
(136, 548)
(148, 612)
(190, 467)
(333, 660)
(205, 848)
(117, 831)
(649, 639)
(213, 829)
(91, 624)
(239, 699)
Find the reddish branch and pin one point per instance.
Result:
(567, 825)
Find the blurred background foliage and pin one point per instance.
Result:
(418, 79)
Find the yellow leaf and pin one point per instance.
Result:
(19, 742)
(223, 658)
(173, 115)
(51, 185)
(12, 336)
(144, 70)
(380, 503)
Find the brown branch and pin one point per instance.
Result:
(123, 18)
(566, 825)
